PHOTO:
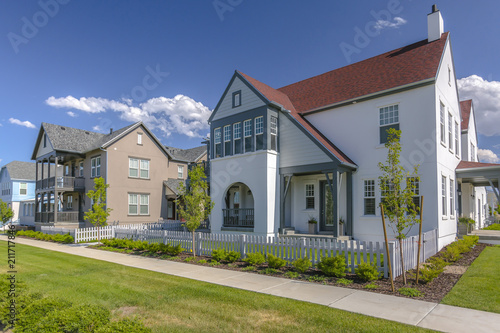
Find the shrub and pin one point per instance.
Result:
(437, 262)
(495, 226)
(471, 241)
(332, 266)
(124, 326)
(452, 254)
(202, 261)
(248, 268)
(275, 262)
(189, 259)
(269, 271)
(316, 278)
(291, 275)
(301, 265)
(233, 256)
(214, 263)
(371, 286)
(175, 250)
(219, 254)
(429, 273)
(154, 247)
(255, 259)
(410, 292)
(344, 281)
(367, 272)
(29, 317)
(80, 318)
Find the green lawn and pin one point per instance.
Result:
(479, 287)
(172, 304)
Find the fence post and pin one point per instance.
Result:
(243, 245)
(303, 247)
(198, 243)
(392, 254)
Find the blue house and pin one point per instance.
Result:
(17, 184)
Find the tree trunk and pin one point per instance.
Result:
(194, 247)
(402, 260)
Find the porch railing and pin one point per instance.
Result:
(238, 217)
(62, 182)
(61, 217)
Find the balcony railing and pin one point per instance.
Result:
(238, 217)
(61, 217)
(62, 182)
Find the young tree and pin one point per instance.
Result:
(398, 189)
(194, 203)
(6, 213)
(98, 214)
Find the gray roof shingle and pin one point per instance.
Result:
(173, 184)
(188, 155)
(21, 170)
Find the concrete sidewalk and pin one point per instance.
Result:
(413, 312)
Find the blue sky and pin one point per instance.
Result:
(103, 64)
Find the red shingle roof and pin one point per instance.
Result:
(409, 64)
(469, 165)
(465, 107)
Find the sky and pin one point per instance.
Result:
(104, 64)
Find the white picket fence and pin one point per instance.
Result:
(92, 234)
(287, 248)
(53, 230)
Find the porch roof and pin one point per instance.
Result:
(479, 174)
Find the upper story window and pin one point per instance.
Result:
(247, 128)
(139, 138)
(452, 197)
(138, 168)
(236, 98)
(389, 118)
(5, 188)
(259, 133)
(369, 197)
(274, 133)
(443, 195)
(80, 172)
(309, 196)
(23, 188)
(95, 166)
(450, 131)
(69, 203)
(66, 170)
(217, 142)
(441, 122)
(237, 138)
(472, 152)
(180, 171)
(415, 182)
(227, 140)
(457, 146)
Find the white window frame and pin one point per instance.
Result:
(247, 133)
(142, 166)
(273, 130)
(450, 131)
(369, 191)
(180, 171)
(457, 145)
(217, 141)
(25, 188)
(388, 117)
(80, 166)
(442, 121)
(237, 136)
(227, 138)
(135, 200)
(452, 197)
(95, 167)
(310, 194)
(139, 138)
(259, 131)
(444, 199)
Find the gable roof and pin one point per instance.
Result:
(404, 66)
(21, 170)
(188, 155)
(465, 107)
(74, 140)
(173, 184)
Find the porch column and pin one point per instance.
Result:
(495, 190)
(348, 227)
(333, 185)
(42, 173)
(284, 185)
(56, 192)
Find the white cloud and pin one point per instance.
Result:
(487, 156)
(485, 95)
(384, 24)
(21, 123)
(71, 114)
(180, 114)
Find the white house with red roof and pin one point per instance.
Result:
(280, 157)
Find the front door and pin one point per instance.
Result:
(328, 221)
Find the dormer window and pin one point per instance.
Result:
(237, 98)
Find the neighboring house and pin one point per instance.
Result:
(17, 183)
(131, 160)
(473, 201)
(312, 148)
(191, 156)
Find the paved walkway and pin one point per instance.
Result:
(413, 312)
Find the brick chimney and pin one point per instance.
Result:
(435, 25)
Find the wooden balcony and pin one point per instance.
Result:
(239, 217)
(71, 216)
(62, 183)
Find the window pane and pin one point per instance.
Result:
(383, 132)
(237, 146)
(237, 131)
(132, 209)
(248, 144)
(217, 135)
(144, 173)
(144, 165)
(248, 127)
(369, 206)
(259, 125)
(227, 133)
(259, 142)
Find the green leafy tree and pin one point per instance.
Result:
(6, 213)
(194, 203)
(98, 213)
(398, 191)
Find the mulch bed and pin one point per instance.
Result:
(431, 292)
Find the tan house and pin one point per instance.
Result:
(131, 160)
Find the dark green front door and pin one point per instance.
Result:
(328, 220)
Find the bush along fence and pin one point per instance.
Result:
(290, 249)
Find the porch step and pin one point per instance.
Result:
(288, 231)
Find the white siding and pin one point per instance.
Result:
(249, 100)
(296, 148)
